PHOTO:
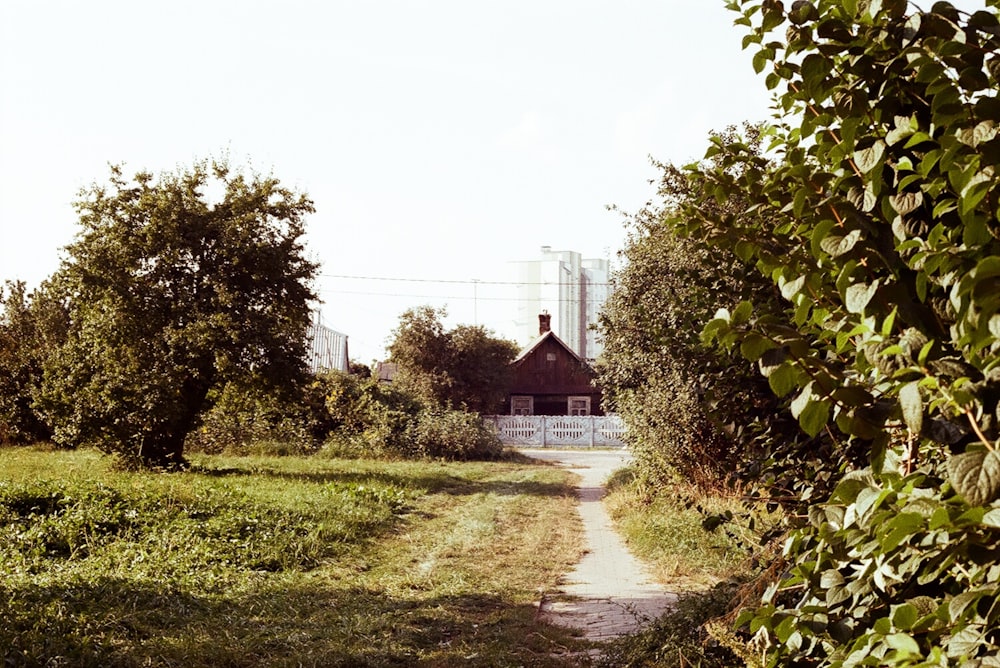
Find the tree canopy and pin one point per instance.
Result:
(174, 286)
(691, 410)
(466, 367)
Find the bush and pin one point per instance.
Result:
(452, 435)
(374, 419)
(244, 421)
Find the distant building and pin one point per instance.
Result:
(570, 288)
(551, 379)
(327, 348)
(386, 372)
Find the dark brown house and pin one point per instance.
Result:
(550, 379)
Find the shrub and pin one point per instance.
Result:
(452, 435)
(244, 421)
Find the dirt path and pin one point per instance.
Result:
(610, 593)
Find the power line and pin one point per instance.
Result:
(416, 296)
(470, 281)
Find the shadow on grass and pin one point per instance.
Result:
(121, 622)
(439, 483)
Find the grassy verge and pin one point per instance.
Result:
(666, 528)
(281, 562)
(703, 545)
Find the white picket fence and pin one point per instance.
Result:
(596, 431)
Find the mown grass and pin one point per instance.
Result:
(287, 561)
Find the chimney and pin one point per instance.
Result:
(544, 322)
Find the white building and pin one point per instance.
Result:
(327, 348)
(571, 289)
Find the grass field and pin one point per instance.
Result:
(281, 562)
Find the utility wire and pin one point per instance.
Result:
(453, 281)
(413, 296)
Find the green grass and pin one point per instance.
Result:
(281, 562)
(665, 527)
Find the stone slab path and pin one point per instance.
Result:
(610, 593)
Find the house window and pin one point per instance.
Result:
(579, 405)
(522, 405)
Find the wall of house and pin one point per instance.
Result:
(551, 375)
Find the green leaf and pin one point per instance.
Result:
(904, 203)
(992, 518)
(904, 616)
(783, 379)
(837, 246)
(791, 288)
(755, 345)
(869, 158)
(975, 475)
(903, 644)
(858, 295)
(960, 603)
(742, 313)
(913, 407)
(801, 401)
(814, 417)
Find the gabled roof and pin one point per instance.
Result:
(531, 347)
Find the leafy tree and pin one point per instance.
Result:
(171, 295)
(480, 368)
(30, 326)
(876, 216)
(466, 367)
(691, 410)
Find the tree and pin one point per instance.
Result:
(30, 327)
(169, 295)
(691, 410)
(464, 368)
(481, 372)
(876, 216)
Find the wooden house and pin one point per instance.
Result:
(551, 379)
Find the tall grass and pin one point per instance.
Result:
(279, 561)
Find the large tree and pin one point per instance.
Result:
(467, 367)
(690, 409)
(175, 286)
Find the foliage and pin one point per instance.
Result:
(30, 327)
(691, 410)
(279, 562)
(892, 570)
(465, 368)
(245, 419)
(875, 213)
(679, 638)
(367, 417)
(170, 296)
(447, 434)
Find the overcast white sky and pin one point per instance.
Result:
(439, 139)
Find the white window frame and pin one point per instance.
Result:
(520, 403)
(583, 410)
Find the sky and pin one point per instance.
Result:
(439, 139)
